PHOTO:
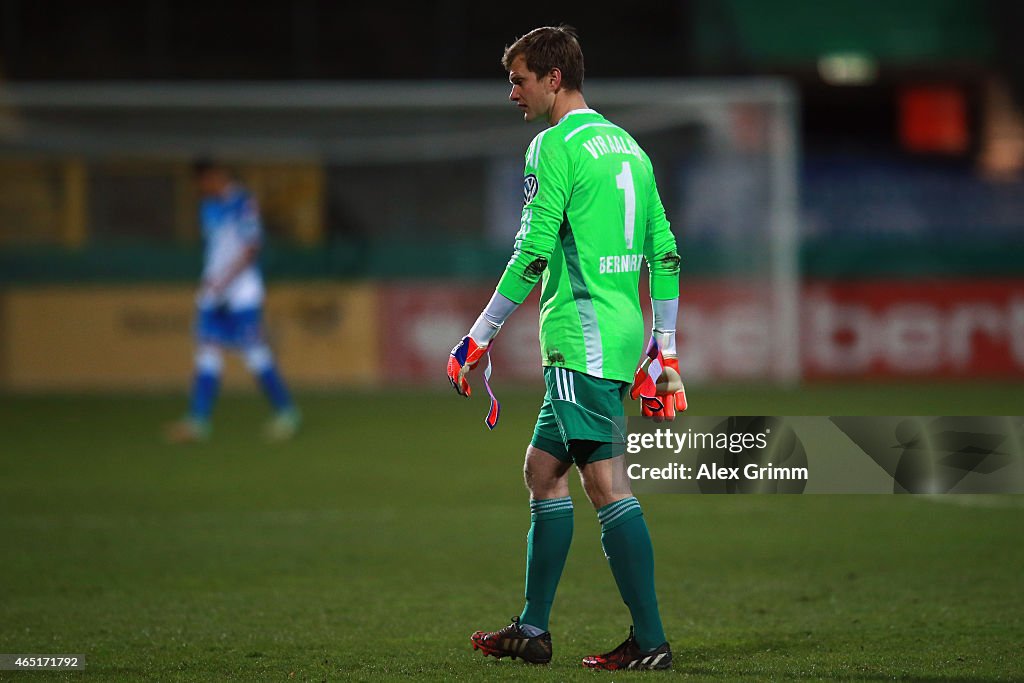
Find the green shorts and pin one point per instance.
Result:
(581, 419)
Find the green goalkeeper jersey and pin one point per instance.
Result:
(591, 216)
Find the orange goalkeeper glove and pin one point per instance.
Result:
(658, 385)
(464, 357)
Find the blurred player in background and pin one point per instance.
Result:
(229, 306)
(591, 217)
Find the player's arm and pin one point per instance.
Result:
(546, 187)
(663, 263)
(545, 195)
(660, 250)
(494, 315)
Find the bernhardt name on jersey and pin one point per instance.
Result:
(600, 145)
(626, 263)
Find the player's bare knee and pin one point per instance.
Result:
(604, 481)
(595, 493)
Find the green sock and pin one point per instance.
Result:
(627, 544)
(547, 546)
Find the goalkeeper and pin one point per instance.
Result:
(591, 216)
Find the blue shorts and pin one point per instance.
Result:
(224, 327)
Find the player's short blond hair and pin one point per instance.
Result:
(547, 48)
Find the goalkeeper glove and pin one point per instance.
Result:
(658, 385)
(464, 357)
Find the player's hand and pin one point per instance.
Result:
(670, 392)
(464, 357)
(661, 398)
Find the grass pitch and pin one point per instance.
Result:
(393, 526)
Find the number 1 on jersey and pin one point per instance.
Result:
(624, 181)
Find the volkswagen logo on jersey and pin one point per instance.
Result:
(529, 188)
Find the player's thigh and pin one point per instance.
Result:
(546, 476)
(547, 434)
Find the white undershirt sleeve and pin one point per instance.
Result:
(665, 313)
(487, 326)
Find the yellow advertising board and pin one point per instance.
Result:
(140, 337)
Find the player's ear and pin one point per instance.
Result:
(554, 79)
